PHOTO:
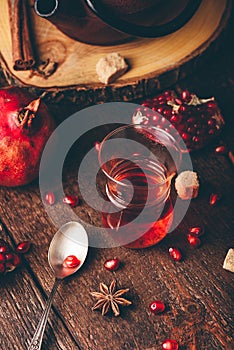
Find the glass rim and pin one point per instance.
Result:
(134, 126)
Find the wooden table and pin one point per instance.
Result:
(197, 291)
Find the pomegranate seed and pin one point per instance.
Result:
(71, 200)
(16, 260)
(211, 122)
(175, 254)
(157, 307)
(2, 268)
(161, 98)
(221, 150)
(23, 247)
(112, 264)
(2, 258)
(50, 198)
(186, 96)
(176, 119)
(71, 261)
(8, 257)
(170, 344)
(212, 105)
(186, 136)
(197, 231)
(159, 110)
(167, 111)
(4, 247)
(97, 146)
(179, 102)
(194, 242)
(155, 118)
(214, 198)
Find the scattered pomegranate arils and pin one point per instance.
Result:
(170, 344)
(112, 264)
(214, 198)
(2, 257)
(194, 242)
(175, 254)
(71, 261)
(71, 200)
(197, 231)
(50, 198)
(4, 247)
(197, 120)
(23, 247)
(221, 150)
(157, 307)
(8, 257)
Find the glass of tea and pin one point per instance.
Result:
(138, 163)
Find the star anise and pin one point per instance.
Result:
(110, 298)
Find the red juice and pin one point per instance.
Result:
(140, 210)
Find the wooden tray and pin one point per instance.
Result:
(154, 63)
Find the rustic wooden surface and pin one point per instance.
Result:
(198, 292)
(154, 63)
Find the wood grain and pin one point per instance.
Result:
(154, 63)
(198, 292)
(22, 301)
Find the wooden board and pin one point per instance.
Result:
(154, 63)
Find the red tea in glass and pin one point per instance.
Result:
(138, 169)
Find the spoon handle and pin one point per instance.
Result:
(38, 335)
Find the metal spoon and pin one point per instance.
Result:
(70, 239)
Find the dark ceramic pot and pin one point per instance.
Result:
(105, 22)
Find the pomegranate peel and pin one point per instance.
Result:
(25, 126)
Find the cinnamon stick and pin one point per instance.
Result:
(22, 51)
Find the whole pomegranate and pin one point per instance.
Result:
(25, 126)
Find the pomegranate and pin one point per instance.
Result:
(71, 261)
(175, 254)
(221, 150)
(170, 344)
(25, 126)
(10, 258)
(197, 120)
(194, 242)
(112, 264)
(157, 307)
(197, 231)
(214, 198)
(50, 198)
(72, 200)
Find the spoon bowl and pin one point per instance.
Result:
(70, 239)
